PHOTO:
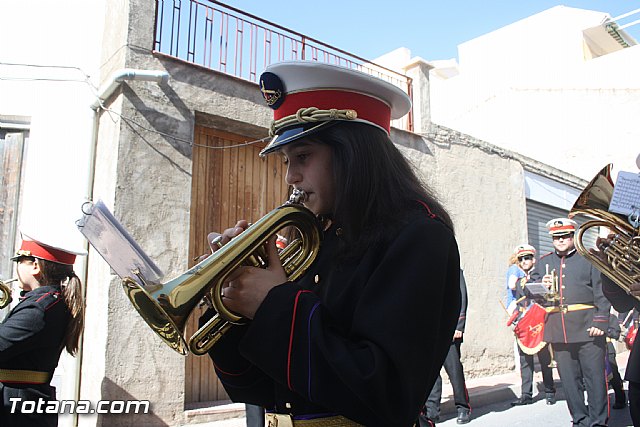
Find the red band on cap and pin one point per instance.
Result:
(368, 108)
(567, 228)
(45, 252)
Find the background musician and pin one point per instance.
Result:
(576, 325)
(48, 319)
(454, 369)
(525, 255)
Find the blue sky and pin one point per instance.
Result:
(430, 29)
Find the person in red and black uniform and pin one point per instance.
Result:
(454, 369)
(48, 318)
(525, 254)
(576, 325)
(360, 338)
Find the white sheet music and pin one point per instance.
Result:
(626, 193)
(115, 244)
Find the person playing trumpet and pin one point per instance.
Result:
(575, 325)
(359, 339)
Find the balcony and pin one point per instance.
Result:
(225, 39)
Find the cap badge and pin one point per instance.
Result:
(558, 224)
(272, 89)
(22, 252)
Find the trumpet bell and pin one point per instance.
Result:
(5, 293)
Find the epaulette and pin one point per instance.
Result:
(49, 299)
(547, 254)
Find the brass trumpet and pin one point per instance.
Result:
(553, 296)
(5, 293)
(623, 254)
(167, 306)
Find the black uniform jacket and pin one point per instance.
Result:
(365, 340)
(578, 283)
(624, 302)
(31, 338)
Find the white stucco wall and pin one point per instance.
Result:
(530, 87)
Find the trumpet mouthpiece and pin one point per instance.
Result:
(297, 197)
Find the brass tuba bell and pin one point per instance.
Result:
(623, 254)
(167, 306)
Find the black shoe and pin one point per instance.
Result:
(522, 401)
(619, 404)
(464, 416)
(551, 398)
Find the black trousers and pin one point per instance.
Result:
(527, 369)
(26, 393)
(634, 402)
(616, 380)
(455, 371)
(578, 361)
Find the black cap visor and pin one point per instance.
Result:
(294, 133)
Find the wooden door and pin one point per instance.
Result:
(230, 182)
(11, 153)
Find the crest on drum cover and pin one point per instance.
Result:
(535, 329)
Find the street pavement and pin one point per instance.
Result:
(490, 399)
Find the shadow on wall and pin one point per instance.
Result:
(126, 410)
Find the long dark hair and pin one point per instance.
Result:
(63, 276)
(375, 186)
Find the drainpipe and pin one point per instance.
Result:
(127, 74)
(104, 93)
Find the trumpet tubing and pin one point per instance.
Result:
(553, 296)
(209, 333)
(623, 255)
(167, 306)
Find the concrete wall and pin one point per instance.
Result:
(143, 173)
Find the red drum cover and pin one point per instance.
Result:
(530, 330)
(631, 336)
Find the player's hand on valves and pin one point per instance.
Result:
(246, 287)
(602, 243)
(217, 240)
(547, 280)
(634, 289)
(595, 332)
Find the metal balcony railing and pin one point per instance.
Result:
(222, 38)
